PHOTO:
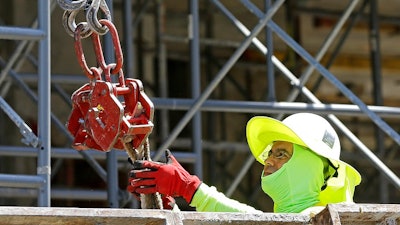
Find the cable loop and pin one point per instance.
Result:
(71, 5)
(90, 8)
(91, 16)
(70, 25)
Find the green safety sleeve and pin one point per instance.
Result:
(208, 199)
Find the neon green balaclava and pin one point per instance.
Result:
(297, 184)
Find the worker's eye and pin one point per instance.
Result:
(279, 154)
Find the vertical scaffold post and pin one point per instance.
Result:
(43, 164)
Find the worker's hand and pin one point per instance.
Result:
(167, 201)
(168, 179)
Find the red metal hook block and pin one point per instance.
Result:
(100, 121)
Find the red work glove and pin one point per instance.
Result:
(168, 179)
(168, 202)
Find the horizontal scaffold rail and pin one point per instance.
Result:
(273, 107)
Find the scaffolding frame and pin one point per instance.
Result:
(199, 101)
(41, 180)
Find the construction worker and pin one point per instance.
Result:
(302, 170)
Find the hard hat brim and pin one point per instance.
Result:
(262, 131)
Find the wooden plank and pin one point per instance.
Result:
(104, 216)
(78, 216)
(212, 218)
(355, 214)
(333, 214)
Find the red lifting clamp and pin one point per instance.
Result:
(99, 120)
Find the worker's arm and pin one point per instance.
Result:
(172, 179)
(208, 199)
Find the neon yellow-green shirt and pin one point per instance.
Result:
(208, 199)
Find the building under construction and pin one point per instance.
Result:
(207, 66)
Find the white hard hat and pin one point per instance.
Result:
(305, 129)
(316, 133)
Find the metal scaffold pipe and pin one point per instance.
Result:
(274, 107)
(206, 93)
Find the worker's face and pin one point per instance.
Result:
(280, 153)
